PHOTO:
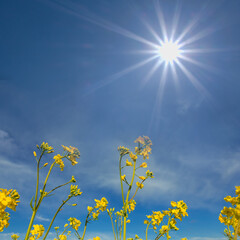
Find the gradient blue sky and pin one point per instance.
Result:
(74, 73)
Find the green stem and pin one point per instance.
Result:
(59, 209)
(126, 203)
(168, 226)
(30, 225)
(147, 230)
(113, 227)
(86, 222)
(44, 185)
(236, 230)
(120, 172)
(35, 201)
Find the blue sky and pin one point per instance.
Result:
(82, 73)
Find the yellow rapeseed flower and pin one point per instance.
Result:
(38, 230)
(123, 177)
(14, 237)
(58, 160)
(143, 165)
(128, 163)
(62, 237)
(140, 185)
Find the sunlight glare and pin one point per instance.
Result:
(169, 51)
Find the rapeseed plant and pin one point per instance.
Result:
(161, 222)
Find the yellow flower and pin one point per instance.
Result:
(46, 148)
(59, 161)
(128, 163)
(45, 164)
(142, 178)
(133, 156)
(143, 165)
(139, 140)
(73, 179)
(96, 238)
(65, 225)
(128, 221)
(34, 153)
(14, 236)
(74, 223)
(123, 177)
(56, 228)
(140, 185)
(74, 191)
(62, 237)
(38, 230)
(89, 209)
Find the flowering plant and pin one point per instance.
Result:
(161, 222)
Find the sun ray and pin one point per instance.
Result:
(161, 20)
(196, 37)
(120, 74)
(193, 79)
(152, 71)
(176, 18)
(197, 63)
(109, 26)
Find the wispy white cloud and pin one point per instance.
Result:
(40, 218)
(7, 143)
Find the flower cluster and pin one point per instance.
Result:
(14, 236)
(75, 191)
(230, 216)
(44, 148)
(71, 154)
(178, 210)
(37, 232)
(144, 146)
(74, 223)
(8, 198)
(101, 205)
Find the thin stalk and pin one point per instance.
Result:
(86, 222)
(236, 230)
(126, 202)
(59, 209)
(44, 185)
(147, 230)
(113, 228)
(120, 173)
(35, 201)
(168, 226)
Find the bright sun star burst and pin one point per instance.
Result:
(169, 51)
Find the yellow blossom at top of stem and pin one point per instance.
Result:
(74, 191)
(45, 148)
(96, 238)
(128, 163)
(62, 237)
(72, 154)
(58, 160)
(133, 156)
(74, 223)
(131, 205)
(101, 204)
(140, 140)
(14, 237)
(38, 230)
(34, 153)
(89, 208)
(73, 179)
(237, 191)
(123, 151)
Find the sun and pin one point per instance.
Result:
(169, 51)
